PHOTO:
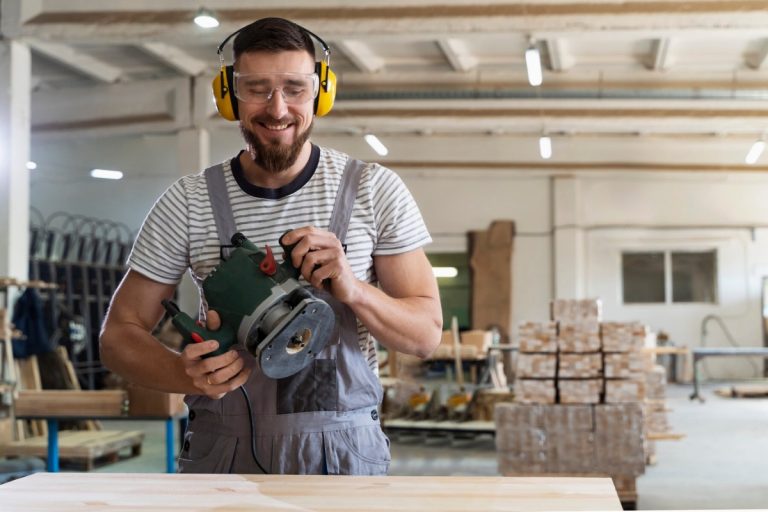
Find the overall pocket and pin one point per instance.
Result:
(205, 452)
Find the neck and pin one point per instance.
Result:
(256, 175)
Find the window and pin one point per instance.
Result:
(662, 277)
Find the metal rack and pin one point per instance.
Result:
(86, 258)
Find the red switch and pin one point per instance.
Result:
(196, 337)
(268, 264)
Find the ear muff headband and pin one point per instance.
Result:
(223, 82)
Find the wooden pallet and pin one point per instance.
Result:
(744, 391)
(80, 448)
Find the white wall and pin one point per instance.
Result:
(596, 215)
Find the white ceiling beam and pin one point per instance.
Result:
(560, 59)
(660, 58)
(14, 13)
(458, 54)
(759, 60)
(78, 61)
(361, 55)
(175, 57)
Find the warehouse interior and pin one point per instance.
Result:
(624, 190)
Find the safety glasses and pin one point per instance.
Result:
(295, 88)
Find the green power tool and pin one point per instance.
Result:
(263, 306)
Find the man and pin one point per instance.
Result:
(324, 420)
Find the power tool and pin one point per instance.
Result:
(264, 307)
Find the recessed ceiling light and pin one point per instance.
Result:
(206, 19)
(31, 165)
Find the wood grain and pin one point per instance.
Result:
(75, 492)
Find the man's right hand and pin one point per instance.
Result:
(218, 375)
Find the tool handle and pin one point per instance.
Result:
(192, 332)
(287, 263)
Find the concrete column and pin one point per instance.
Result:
(569, 239)
(193, 154)
(15, 79)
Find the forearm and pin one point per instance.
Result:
(411, 325)
(131, 352)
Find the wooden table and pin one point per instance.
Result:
(76, 492)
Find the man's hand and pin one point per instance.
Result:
(320, 258)
(218, 375)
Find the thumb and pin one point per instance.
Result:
(213, 321)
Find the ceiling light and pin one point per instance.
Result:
(376, 144)
(545, 147)
(445, 271)
(31, 165)
(533, 65)
(106, 174)
(755, 151)
(205, 19)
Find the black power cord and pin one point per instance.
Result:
(253, 432)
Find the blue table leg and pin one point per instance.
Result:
(170, 462)
(53, 445)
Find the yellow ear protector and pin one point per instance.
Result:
(225, 100)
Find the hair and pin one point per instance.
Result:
(272, 35)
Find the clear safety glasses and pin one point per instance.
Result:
(296, 88)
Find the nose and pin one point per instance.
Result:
(276, 106)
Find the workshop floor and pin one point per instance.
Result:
(721, 463)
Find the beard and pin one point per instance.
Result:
(272, 156)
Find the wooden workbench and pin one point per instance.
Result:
(75, 492)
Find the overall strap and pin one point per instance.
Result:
(345, 198)
(222, 210)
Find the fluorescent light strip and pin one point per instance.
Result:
(533, 65)
(545, 147)
(445, 271)
(376, 144)
(106, 174)
(755, 151)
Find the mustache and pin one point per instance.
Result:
(271, 120)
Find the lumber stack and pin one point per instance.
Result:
(570, 439)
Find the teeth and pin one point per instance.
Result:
(277, 127)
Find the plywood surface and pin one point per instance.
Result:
(75, 492)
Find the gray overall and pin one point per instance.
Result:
(323, 420)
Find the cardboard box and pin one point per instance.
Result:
(148, 402)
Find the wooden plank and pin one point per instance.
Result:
(56, 403)
(319, 493)
(89, 424)
(664, 436)
(29, 379)
(76, 444)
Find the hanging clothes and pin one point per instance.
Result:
(29, 319)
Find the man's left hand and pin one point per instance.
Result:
(320, 258)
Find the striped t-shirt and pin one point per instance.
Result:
(180, 233)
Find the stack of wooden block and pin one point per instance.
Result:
(625, 363)
(576, 359)
(580, 365)
(572, 439)
(655, 409)
(536, 363)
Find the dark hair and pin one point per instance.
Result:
(272, 35)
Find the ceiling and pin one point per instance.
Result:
(691, 75)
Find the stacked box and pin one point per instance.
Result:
(624, 390)
(619, 439)
(623, 336)
(576, 311)
(624, 365)
(542, 366)
(538, 337)
(580, 391)
(656, 383)
(579, 337)
(529, 391)
(580, 366)
(521, 437)
(567, 439)
(480, 340)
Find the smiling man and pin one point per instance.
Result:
(359, 247)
